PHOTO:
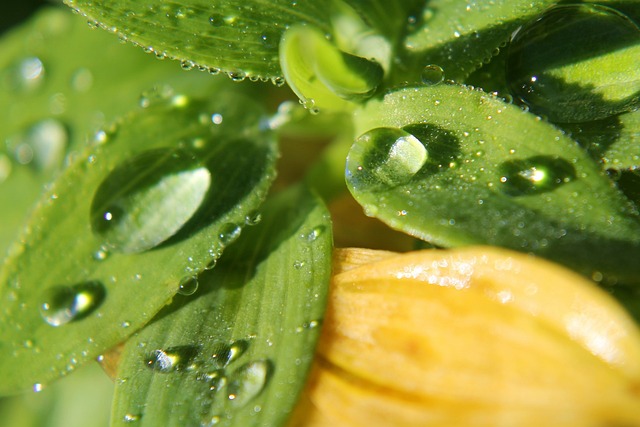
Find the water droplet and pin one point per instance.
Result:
(187, 65)
(432, 75)
(229, 233)
(560, 63)
(390, 156)
(171, 359)
(101, 254)
(188, 286)
(534, 175)
(155, 95)
(298, 265)
(313, 235)
(25, 75)
(248, 381)
(43, 145)
(131, 418)
(225, 354)
(148, 199)
(251, 219)
(37, 387)
(216, 20)
(63, 304)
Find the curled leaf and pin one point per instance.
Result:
(477, 336)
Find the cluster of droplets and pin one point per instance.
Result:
(227, 382)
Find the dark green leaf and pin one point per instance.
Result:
(455, 166)
(157, 198)
(238, 38)
(236, 353)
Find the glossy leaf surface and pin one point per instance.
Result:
(236, 352)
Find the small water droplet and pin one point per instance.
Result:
(432, 75)
(216, 20)
(63, 304)
(229, 233)
(559, 63)
(131, 418)
(187, 65)
(534, 175)
(188, 286)
(37, 387)
(171, 359)
(298, 265)
(25, 75)
(225, 354)
(101, 254)
(157, 94)
(313, 235)
(148, 199)
(43, 145)
(253, 218)
(248, 381)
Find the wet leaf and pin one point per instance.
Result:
(237, 352)
(451, 166)
(57, 84)
(396, 344)
(461, 36)
(240, 39)
(155, 200)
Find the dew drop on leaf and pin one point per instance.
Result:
(148, 199)
(248, 381)
(229, 233)
(385, 156)
(188, 286)
(576, 63)
(64, 304)
(224, 354)
(534, 175)
(171, 359)
(432, 75)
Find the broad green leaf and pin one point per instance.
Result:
(576, 63)
(153, 201)
(461, 36)
(455, 166)
(236, 353)
(72, 402)
(59, 82)
(240, 39)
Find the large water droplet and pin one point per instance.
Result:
(64, 304)
(25, 75)
(43, 145)
(534, 175)
(171, 359)
(248, 381)
(229, 233)
(388, 156)
(148, 199)
(576, 63)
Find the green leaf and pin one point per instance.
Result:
(461, 36)
(240, 39)
(154, 201)
(237, 352)
(321, 75)
(58, 79)
(455, 166)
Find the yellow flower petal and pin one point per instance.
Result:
(471, 337)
